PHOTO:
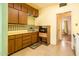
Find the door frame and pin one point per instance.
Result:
(68, 13)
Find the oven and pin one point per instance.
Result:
(43, 29)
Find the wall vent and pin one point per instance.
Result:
(62, 4)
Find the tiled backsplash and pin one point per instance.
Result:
(13, 27)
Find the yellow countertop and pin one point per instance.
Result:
(19, 32)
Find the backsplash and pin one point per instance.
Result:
(14, 27)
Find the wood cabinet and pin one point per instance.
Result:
(18, 6)
(11, 5)
(17, 13)
(25, 8)
(26, 40)
(34, 37)
(12, 16)
(18, 42)
(36, 13)
(22, 17)
(11, 44)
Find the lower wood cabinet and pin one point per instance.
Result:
(26, 40)
(17, 42)
(34, 37)
(11, 44)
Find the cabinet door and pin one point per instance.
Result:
(26, 39)
(22, 17)
(25, 8)
(18, 43)
(10, 46)
(17, 6)
(12, 15)
(30, 10)
(10, 5)
(36, 13)
(34, 37)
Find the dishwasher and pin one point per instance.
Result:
(76, 44)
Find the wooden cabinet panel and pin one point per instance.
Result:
(17, 6)
(11, 5)
(26, 40)
(22, 17)
(26, 44)
(34, 37)
(26, 35)
(11, 44)
(24, 8)
(12, 15)
(30, 10)
(36, 13)
(18, 44)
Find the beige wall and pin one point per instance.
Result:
(31, 20)
(47, 16)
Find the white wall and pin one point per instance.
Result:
(47, 16)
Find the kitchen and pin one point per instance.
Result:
(22, 31)
(30, 29)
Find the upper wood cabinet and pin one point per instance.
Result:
(22, 17)
(17, 6)
(25, 8)
(12, 16)
(18, 12)
(35, 12)
(30, 10)
(11, 5)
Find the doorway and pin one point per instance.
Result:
(64, 27)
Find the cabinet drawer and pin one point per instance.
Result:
(11, 37)
(18, 36)
(34, 33)
(27, 34)
(26, 44)
(27, 38)
(26, 41)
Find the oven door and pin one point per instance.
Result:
(43, 30)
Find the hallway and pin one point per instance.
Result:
(61, 49)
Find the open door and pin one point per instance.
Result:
(59, 24)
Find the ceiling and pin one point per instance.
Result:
(41, 5)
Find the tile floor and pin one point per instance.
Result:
(61, 49)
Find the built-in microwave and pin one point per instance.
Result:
(43, 29)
